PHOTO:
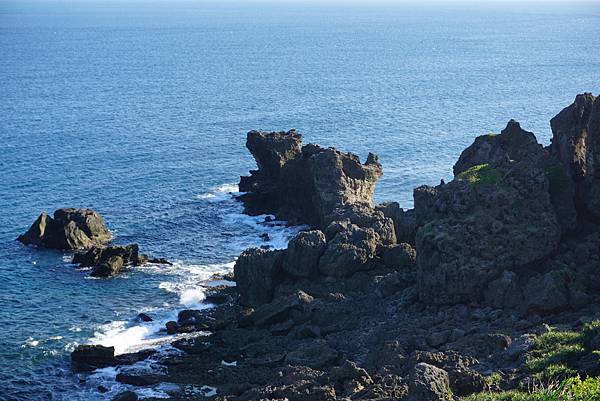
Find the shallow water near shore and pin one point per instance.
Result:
(141, 114)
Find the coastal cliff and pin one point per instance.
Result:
(489, 284)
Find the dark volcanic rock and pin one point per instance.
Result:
(272, 150)
(405, 223)
(256, 272)
(304, 184)
(139, 379)
(576, 143)
(125, 396)
(490, 218)
(315, 354)
(303, 253)
(144, 317)
(349, 251)
(428, 383)
(90, 357)
(280, 309)
(399, 256)
(68, 229)
(512, 144)
(110, 260)
(515, 145)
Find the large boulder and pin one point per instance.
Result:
(429, 383)
(90, 357)
(364, 217)
(256, 274)
(303, 253)
(576, 143)
(304, 184)
(68, 229)
(488, 220)
(350, 250)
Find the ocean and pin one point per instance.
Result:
(140, 111)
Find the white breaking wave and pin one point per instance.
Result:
(189, 282)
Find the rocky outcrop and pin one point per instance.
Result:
(494, 216)
(576, 143)
(256, 274)
(304, 184)
(90, 357)
(381, 303)
(108, 261)
(428, 383)
(68, 229)
(303, 254)
(405, 224)
(515, 145)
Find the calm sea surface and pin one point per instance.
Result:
(140, 112)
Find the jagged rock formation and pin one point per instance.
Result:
(69, 229)
(496, 215)
(304, 184)
(379, 303)
(108, 261)
(576, 143)
(111, 260)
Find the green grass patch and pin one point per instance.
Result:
(572, 389)
(481, 176)
(554, 354)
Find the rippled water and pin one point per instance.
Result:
(140, 112)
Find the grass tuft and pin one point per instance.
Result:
(480, 176)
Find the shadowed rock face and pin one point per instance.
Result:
(501, 212)
(576, 143)
(304, 184)
(515, 145)
(69, 229)
(108, 261)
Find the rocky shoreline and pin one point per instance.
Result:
(454, 298)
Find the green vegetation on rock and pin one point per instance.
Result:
(572, 389)
(482, 175)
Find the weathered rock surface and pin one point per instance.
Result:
(405, 224)
(303, 253)
(256, 273)
(490, 218)
(428, 383)
(304, 184)
(68, 229)
(111, 260)
(90, 357)
(345, 313)
(125, 396)
(576, 143)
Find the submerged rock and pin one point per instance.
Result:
(304, 184)
(125, 396)
(68, 229)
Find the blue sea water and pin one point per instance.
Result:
(139, 110)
